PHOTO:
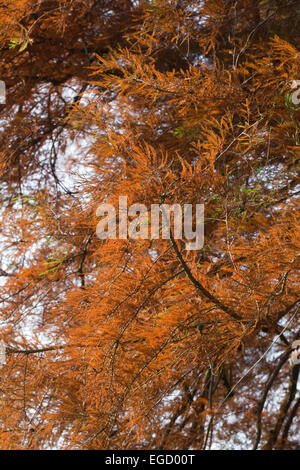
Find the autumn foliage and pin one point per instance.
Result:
(140, 344)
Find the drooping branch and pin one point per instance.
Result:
(26, 352)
